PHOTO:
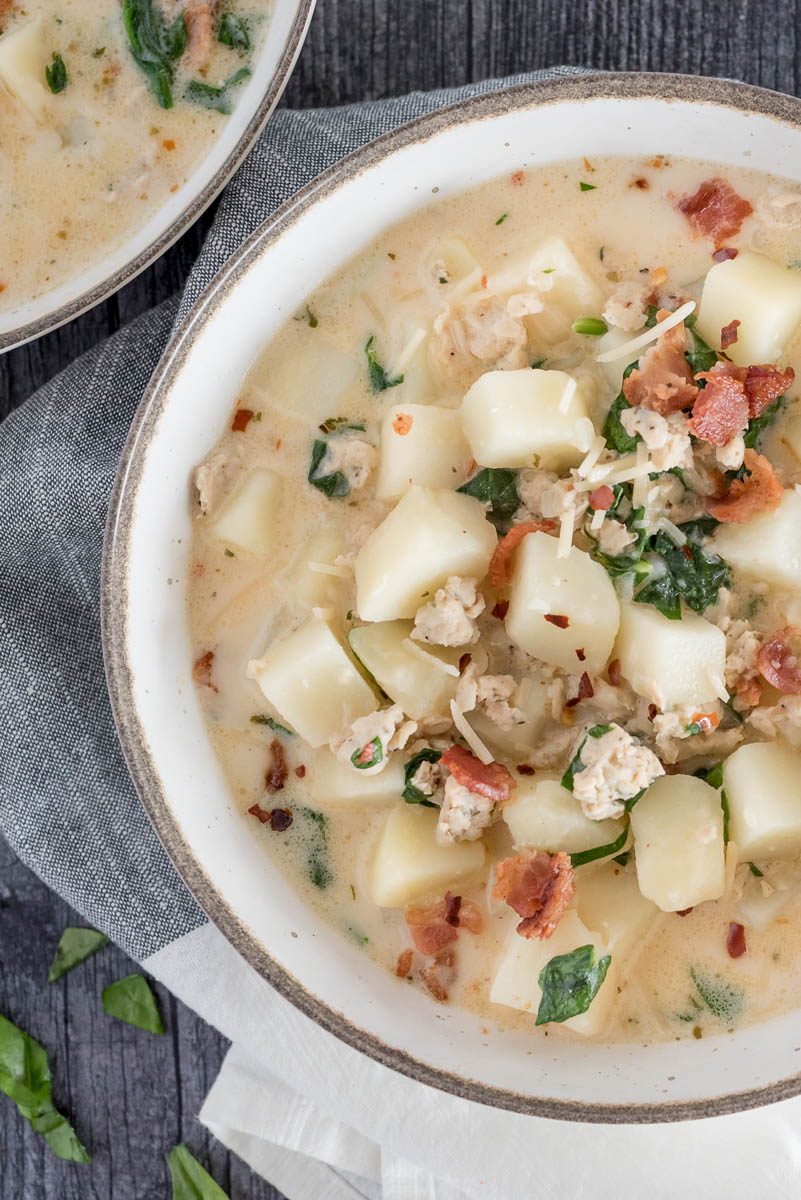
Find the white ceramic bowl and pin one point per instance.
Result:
(146, 643)
(287, 24)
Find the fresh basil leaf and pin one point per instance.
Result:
(758, 425)
(154, 44)
(334, 484)
(56, 75)
(576, 764)
(723, 999)
(317, 865)
(496, 486)
(587, 856)
(25, 1079)
(377, 756)
(189, 1180)
(271, 723)
(616, 436)
(74, 947)
(379, 380)
(217, 98)
(702, 357)
(131, 1000)
(233, 31)
(410, 793)
(569, 984)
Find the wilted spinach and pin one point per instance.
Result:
(410, 793)
(155, 45)
(569, 984)
(496, 486)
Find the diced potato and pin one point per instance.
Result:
(762, 782)
(513, 419)
(456, 257)
(433, 452)
(335, 785)
(430, 534)
(516, 982)
(407, 863)
(763, 295)
(23, 58)
(249, 517)
(531, 697)
(755, 909)
(671, 663)
(318, 589)
(575, 587)
(409, 677)
(545, 816)
(768, 548)
(609, 900)
(567, 290)
(678, 841)
(315, 384)
(309, 678)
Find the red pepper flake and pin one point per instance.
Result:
(517, 178)
(452, 906)
(278, 444)
(725, 253)
(278, 819)
(168, 144)
(242, 418)
(483, 281)
(464, 662)
(402, 424)
(729, 334)
(640, 182)
(580, 655)
(614, 672)
(276, 773)
(652, 711)
(683, 912)
(501, 609)
(687, 552)
(525, 769)
(201, 671)
(404, 963)
(2, 287)
(602, 498)
(557, 619)
(585, 691)
(735, 939)
(300, 771)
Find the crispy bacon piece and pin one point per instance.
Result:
(525, 769)
(501, 609)
(683, 912)
(777, 663)
(602, 498)
(715, 211)
(491, 780)
(202, 671)
(585, 691)
(538, 886)
(500, 567)
(729, 334)
(464, 662)
(278, 819)
(756, 493)
(614, 672)
(276, 774)
(300, 771)
(402, 423)
(748, 693)
(242, 418)
(763, 384)
(580, 655)
(721, 408)
(664, 381)
(735, 939)
(557, 619)
(434, 926)
(404, 963)
(436, 975)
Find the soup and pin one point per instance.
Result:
(105, 110)
(495, 596)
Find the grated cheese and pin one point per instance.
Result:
(598, 518)
(567, 395)
(407, 351)
(672, 531)
(639, 493)
(585, 433)
(566, 533)
(622, 470)
(470, 736)
(650, 335)
(330, 569)
(593, 454)
(429, 659)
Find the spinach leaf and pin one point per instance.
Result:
(569, 984)
(663, 594)
(588, 856)
(650, 319)
(691, 573)
(316, 847)
(379, 380)
(74, 947)
(25, 1079)
(189, 1180)
(131, 1000)
(410, 793)
(631, 560)
(723, 999)
(154, 44)
(216, 98)
(271, 723)
(334, 484)
(233, 31)
(56, 75)
(702, 357)
(496, 486)
(576, 764)
(362, 760)
(758, 425)
(613, 430)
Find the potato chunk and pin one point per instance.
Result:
(768, 548)
(407, 862)
(609, 901)
(574, 589)
(421, 443)
(516, 982)
(531, 697)
(762, 782)
(678, 842)
(513, 419)
(545, 816)
(23, 58)
(308, 677)
(670, 662)
(429, 535)
(249, 517)
(763, 295)
(408, 674)
(566, 288)
(334, 785)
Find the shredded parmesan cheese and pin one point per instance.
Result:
(672, 531)
(566, 533)
(597, 519)
(329, 569)
(639, 493)
(585, 433)
(622, 470)
(470, 736)
(650, 335)
(407, 351)
(593, 454)
(430, 660)
(567, 396)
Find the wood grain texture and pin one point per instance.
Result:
(132, 1095)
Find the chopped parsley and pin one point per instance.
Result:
(216, 98)
(271, 723)
(233, 31)
(501, 219)
(587, 187)
(379, 379)
(56, 75)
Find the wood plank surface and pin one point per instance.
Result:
(132, 1096)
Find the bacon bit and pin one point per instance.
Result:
(585, 691)
(683, 912)
(588, 165)
(201, 671)
(602, 498)
(464, 662)
(652, 711)
(276, 773)
(261, 814)
(729, 334)
(721, 409)
(300, 771)
(402, 424)
(658, 162)
(500, 567)
(278, 444)
(525, 769)
(640, 182)
(517, 178)
(452, 906)
(430, 975)
(278, 819)
(724, 253)
(403, 966)
(557, 619)
(491, 780)
(777, 663)
(757, 493)
(501, 609)
(429, 927)
(538, 886)
(764, 384)
(168, 144)
(613, 672)
(580, 655)
(242, 418)
(735, 939)
(715, 211)
(664, 381)
(174, 187)
(2, 287)
(749, 693)
(367, 754)
(707, 721)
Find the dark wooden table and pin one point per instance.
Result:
(133, 1096)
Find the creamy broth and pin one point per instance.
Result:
(455, 294)
(90, 146)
